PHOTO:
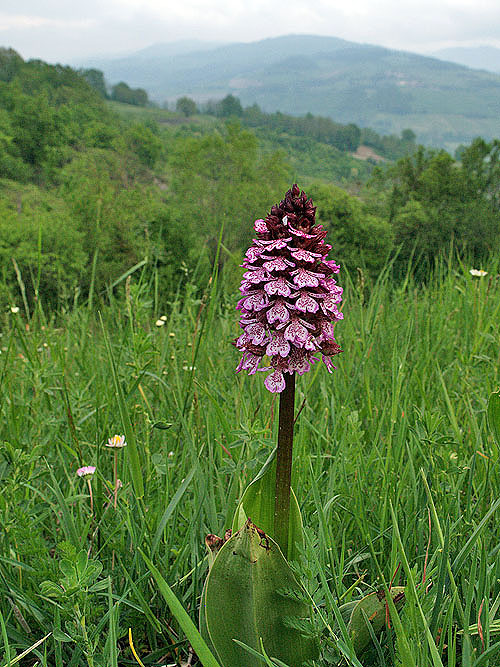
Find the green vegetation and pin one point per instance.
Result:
(434, 200)
(400, 424)
(373, 87)
(90, 189)
(121, 237)
(121, 92)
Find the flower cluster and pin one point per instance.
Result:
(290, 300)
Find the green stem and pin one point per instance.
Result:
(284, 464)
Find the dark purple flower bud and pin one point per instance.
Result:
(289, 300)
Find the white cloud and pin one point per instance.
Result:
(22, 21)
(58, 29)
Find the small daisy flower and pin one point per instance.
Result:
(86, 472)
(479, 273)
(116, 442)
(14, 309)
(160, 322)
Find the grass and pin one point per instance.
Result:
(395, 470)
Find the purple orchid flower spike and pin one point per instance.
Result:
(290, 300)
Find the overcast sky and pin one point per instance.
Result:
(66, 31)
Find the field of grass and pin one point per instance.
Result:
(395, 471)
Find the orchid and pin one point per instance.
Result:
(290, 300)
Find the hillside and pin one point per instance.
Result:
(91, 190)
(444, 103)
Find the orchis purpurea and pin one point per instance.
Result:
(290, 298)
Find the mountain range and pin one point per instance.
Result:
(444, 103)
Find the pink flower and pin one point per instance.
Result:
(290, 299)
(86, 472)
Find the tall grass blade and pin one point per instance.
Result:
(195, 639)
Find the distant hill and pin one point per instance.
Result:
(478, 57)
(444, 103)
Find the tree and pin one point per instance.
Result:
(10, 63)
(408, 135)
(144, 144)
(186, 106)
(121, 92)
(358, 237)
(229, 106)
(95, 78)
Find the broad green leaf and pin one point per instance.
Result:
(251, 593)
(203, 620)
(494, 416)
(371, 609)
(257, 504)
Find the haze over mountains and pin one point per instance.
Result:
(478, 57)
(443, 102)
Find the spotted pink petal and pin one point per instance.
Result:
(328, 283)
(277, 264)
(300, 363)
(246, 287)
(332, 265)
(306, 304)
(278, 346)
(311, 344)
(256, 333)
(242, 341)
(327, 332)
(305, 255)
(304, 278)
(296, 333)
(256, 275)
(297, 232)
(248, 362)
(329, 307)
(276, 244)
(260, 226)
(253, 254)
(278, 312)
(255, 302)
(279, 286)
(275, 383)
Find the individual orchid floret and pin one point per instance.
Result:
(289, 298)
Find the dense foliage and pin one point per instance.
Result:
(91, 189)
(400, 424)
(394, 459)
(344, 137)
(434, 201)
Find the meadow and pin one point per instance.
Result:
(395, 470)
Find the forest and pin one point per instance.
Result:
(89, 190)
